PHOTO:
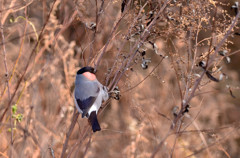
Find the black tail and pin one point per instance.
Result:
(94, 122)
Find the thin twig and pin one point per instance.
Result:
(87, 146)
(86, 131)
(176, 72)
(213, 37)
(145, 77)
(110, 85)
(214, 143)
(219, 45)
(194, 61)
(175, 140)
(20, 36)
(108, 41)
(81, 140)
(52, 152)
(7, 83)
(138, 44)
(201, 135)
(19, 55)
(156, 150)
(74, 120)
(187, 99)
(28, 62)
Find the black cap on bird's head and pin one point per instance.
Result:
(86, 69)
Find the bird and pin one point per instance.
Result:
(89, 94)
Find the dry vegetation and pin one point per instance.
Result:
(175, 63)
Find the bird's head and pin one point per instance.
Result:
(87, 72)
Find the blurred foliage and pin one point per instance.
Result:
(154, 51)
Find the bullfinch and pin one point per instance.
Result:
(89, 94)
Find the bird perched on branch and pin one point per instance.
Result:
(89, 94)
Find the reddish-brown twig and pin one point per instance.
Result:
(73, 122)
(28, 63)
(7, 83)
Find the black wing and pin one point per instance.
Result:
(86, 104)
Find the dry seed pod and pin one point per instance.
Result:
(211, 77)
